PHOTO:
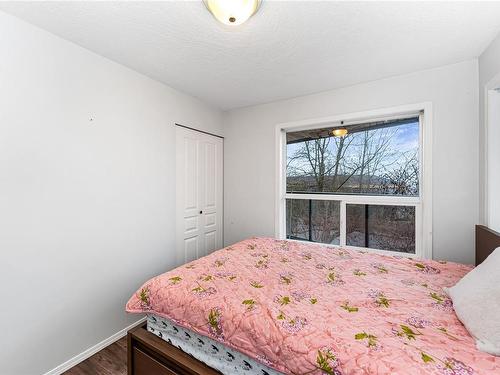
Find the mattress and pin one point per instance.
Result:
(214, 354)
(311, 309)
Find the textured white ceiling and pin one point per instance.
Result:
(286, 50)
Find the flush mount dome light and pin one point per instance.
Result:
(339, 132)
(232, 12)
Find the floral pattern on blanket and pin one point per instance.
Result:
(312, 309)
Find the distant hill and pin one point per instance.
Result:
(350, 184)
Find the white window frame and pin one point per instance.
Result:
(422, 203)
(492, 84)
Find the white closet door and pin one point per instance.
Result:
(199, 178)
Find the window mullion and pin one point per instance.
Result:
(418, 232)
(343, 223)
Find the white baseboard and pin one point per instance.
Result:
(92, 350)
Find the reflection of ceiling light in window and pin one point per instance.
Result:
(339, 132)
(232, 12)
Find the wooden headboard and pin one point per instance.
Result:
(487, 240)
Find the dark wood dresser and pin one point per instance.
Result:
(150, 355)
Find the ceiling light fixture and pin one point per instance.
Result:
(340, 132)
(232, 12)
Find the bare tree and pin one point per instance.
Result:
(375, 150)
(403, 178)
(312, 159)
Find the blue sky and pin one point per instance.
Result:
(407, 136)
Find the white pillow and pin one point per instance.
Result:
(476, 299)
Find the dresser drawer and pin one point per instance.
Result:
(147, 365)
(150, 355)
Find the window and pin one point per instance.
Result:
(362, 189)
(381, 227)
(313, 220)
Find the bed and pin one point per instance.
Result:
(266, 306)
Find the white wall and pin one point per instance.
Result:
(86, 208)
(489, 141)
(250, 151)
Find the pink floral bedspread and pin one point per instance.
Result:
(310, 309)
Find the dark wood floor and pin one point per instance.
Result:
(111, 360)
